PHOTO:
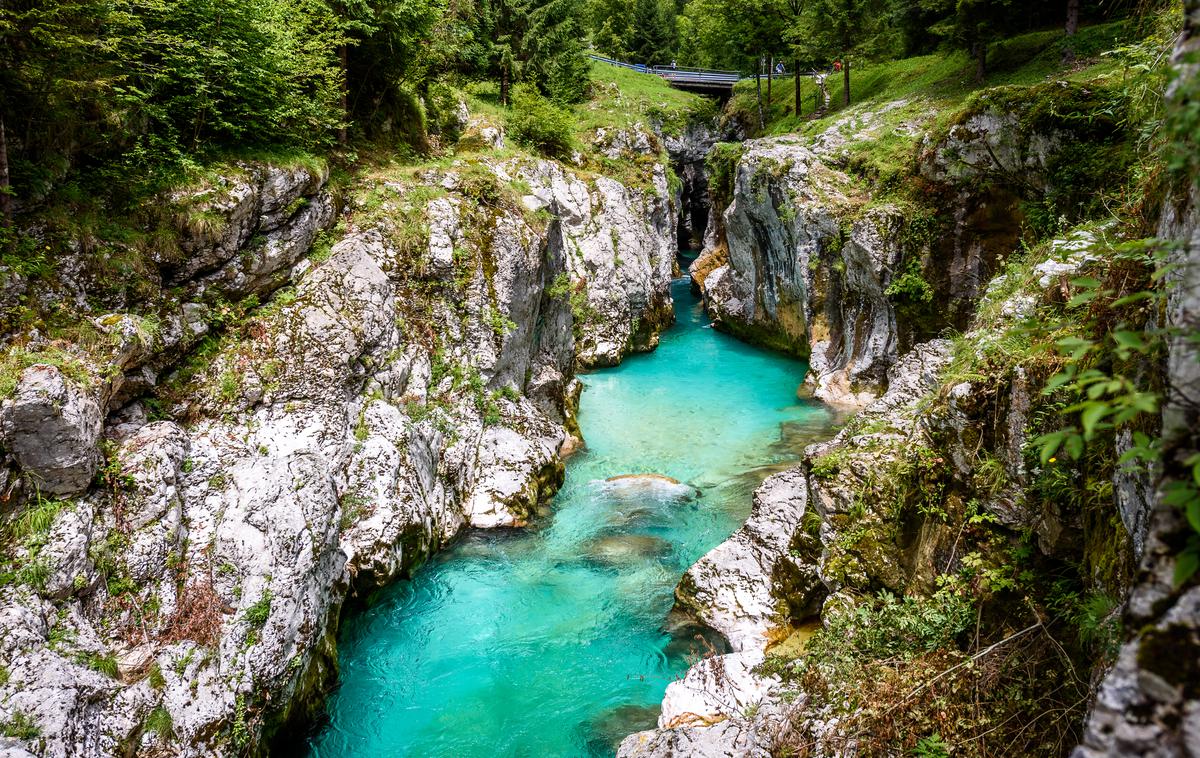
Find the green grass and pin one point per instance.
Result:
(622, 97)
(941, 82)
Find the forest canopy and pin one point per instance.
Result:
(128, 91)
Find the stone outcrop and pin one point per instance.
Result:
(619, 247)
(52, 426)
(803, 260)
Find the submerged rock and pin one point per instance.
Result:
(654, 486)
(620, 549)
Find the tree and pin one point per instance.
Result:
(1072, 26)
(650, 35)
(837, 30)
(978, 23)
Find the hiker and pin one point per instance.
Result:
(837, 65)
(673, 66)
(779, 67)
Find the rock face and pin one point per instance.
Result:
(400, 391)
(732, 588)
(52, 427)
(688, 152)
(619, 247)
(1149, 703)
(801, 259)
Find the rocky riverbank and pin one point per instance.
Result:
(334, 389)
(933, 505)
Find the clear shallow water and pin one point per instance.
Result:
(552, 641)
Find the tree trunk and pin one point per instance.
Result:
(762, 122)
(846, 81)
(504, 85)
(5, 185)
(980, 61)
(770, 76)
(344, 61)
(1072, 27)
(796, 76)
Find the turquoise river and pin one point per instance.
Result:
(556, 640)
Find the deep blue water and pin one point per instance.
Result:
(554, 641)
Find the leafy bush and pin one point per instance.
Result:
(535, 122)
(910, 286)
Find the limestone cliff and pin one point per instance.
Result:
(806, 255)
(197, 497)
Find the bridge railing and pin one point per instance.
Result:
(676, 73)
(690, 75)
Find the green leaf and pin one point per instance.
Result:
(1193, 511)
(1134, 298)
(1049, 444)
(1086, 282)
(1059, 380)
(1075, 446)
(1083, 298)
(1092, 416)
(1131, 340)
(1186, 564)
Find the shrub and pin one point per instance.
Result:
(535, 122)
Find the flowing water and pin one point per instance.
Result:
(555, 641)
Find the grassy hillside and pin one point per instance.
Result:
(939, 84)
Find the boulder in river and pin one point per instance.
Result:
(655, 486)
(621, 549)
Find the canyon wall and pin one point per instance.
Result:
(199, 494)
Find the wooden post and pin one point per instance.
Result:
(796, 76)
(762, 122)
(846, 81)
(770, 78)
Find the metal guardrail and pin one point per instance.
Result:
(679, 74)
(698, 76)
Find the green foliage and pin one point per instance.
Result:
(931, 747)
(241, 729)
(105, 664)
(881, 628)
(160, 722)
(256, 615)
(560, 287)
(21, 727)
(1099, 623)
(1104, 386)
(721, 162)
(537, 123)
(354, 507)
(155, 677)
(910, 286)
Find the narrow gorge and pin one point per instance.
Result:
(698, 428)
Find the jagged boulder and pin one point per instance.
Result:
(52, 427)
(732, 589)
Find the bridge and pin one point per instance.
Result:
(705, 81)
